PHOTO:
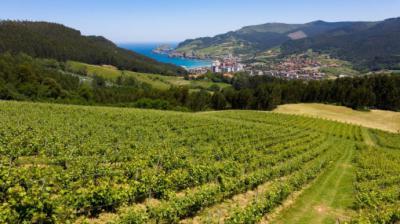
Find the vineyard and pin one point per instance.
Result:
(76, 164)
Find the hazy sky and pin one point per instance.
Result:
(176, 20)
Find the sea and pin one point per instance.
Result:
(147, 50)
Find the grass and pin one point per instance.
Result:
(328, 200)
(157, 81)
(342, 70)
(378, 119)
(344, 67)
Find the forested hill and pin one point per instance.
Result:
(50, 40)
(377, 47)
(258, 38)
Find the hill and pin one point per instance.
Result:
(25, 78)
(379, 119)
(253, 39)
(367, 45)
(50, 40)
(155, 80)
(375, 46)
(65, 164)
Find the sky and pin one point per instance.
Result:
(129, 21)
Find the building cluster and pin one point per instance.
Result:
(227, 65)
(198, 70)
(303, 75)
(297, 67)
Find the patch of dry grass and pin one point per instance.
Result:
(379, 119)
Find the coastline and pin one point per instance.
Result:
(148, 49)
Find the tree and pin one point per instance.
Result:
(218, 101)
(361, 98)
(214, 88)
(54, 89)
(243, 99)
(199, 100)
(98, 81)
(86, 92)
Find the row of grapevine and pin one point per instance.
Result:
(101, 159)
(61, 163)
(347, 131)
(377, 185)
(280, 190)
(175, 208)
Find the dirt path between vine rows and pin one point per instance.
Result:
(328, 200)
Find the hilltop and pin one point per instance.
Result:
(56, 41)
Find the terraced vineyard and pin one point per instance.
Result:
(66, 164)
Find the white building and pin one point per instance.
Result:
(226, 66)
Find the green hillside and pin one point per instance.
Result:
(55, 41)
(64, 164)
(31, 79)
(249, 40)
(156, 81)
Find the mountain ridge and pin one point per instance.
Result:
(257, 38)
(367, 45)
(374, 47)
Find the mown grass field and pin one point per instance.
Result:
(79, 164)
(379, 119)
(157, 81)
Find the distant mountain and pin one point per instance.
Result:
(50, 40)
(253, 39)
(374, 46)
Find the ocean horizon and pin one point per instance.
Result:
(147, 50)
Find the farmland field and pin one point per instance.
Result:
(77, 164)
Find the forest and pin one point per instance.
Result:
(51, 40)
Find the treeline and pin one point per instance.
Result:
(364, 92)
(50, 40)
(25, 78)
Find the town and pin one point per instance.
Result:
(304, 67)
(295, 67)
(226, 66)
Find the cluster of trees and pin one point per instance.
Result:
(50, 40)
(266, 93)
(25, 78)
(364, 92)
